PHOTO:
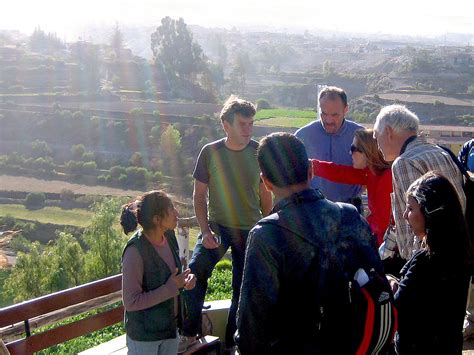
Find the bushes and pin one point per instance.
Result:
(263, 104)
(116, 171)
(220, 283)
(35, 200)
(81, 168)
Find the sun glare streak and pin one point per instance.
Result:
(401, 17)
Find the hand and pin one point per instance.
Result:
(393, 283)
(209, 240)
(190, 281)
(180, 279)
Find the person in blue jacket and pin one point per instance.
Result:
(466, 155)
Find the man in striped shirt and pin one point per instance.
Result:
(396, 130)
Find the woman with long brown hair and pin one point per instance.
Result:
(432, 292)
(368, 169)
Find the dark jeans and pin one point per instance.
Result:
(202, 264)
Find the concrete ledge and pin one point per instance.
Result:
(116, 346)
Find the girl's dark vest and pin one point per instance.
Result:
(157, 322)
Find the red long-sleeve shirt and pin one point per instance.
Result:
(379, 188)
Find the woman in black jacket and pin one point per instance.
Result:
(432, 292)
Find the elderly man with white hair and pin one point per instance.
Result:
(396, 130)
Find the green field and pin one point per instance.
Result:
(193, 233)
(284, 118)
(55, 215)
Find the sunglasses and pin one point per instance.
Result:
(355, 149)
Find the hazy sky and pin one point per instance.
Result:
(412, 17)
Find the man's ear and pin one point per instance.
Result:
(346, 110)
(225, 126)
(310, 170)
(266, 182)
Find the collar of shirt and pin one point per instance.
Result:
(297, 198)
(408, 141)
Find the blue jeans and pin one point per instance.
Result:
(202, 264)
(159, 347)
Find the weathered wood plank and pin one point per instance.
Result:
(46, 304)
(17, 330)
(65, 332)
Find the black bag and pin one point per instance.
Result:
(373, 307)
(364, 316)
(468, 188)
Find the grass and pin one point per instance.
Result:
(54, 215)
(285, 122)
(284, 118)
(220, 282)
(193, 233)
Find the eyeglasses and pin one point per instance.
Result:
(355, 149)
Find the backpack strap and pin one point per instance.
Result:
(456, 161)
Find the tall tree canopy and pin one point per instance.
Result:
(175, 51)
(116, 41)
(44, 43)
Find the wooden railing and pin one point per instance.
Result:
(21, 319)
(17, 322)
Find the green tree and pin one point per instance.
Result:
(27, 278)
(328, 69)
(67, 262)
(116, 41)
(35, 200)
(87, 74)
(170, 147)
(155, 133)
(67, 198)
(216, 74)
(170, 142)
(44, 43)
(104, 241)
(116, 171)
(221, 51)
(78, 151)
(263, 104)
(88, 156)
(137, 177)
(40, 149)
(175, 52)
(137, 159)
(243, 67)
(42, 270)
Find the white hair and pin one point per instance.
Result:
(398, 117)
